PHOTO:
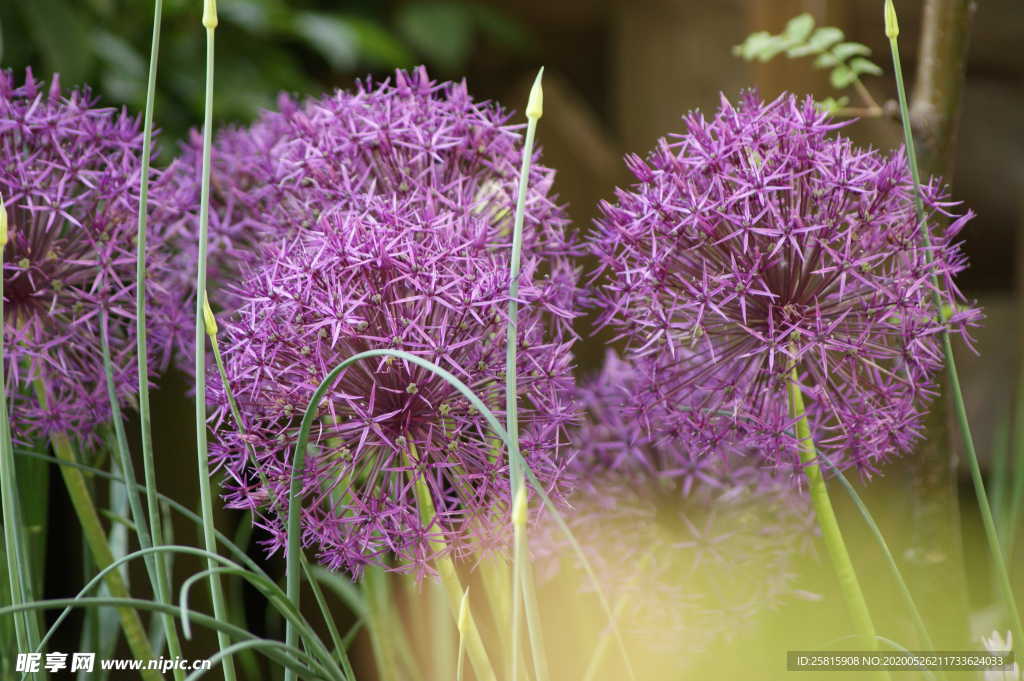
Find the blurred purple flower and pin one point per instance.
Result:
(756, 241)
(70, 180)
(400, 272)
(694, 542)
(407, 136)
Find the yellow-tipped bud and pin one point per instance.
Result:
(519, 508)
(210, 14)
(3, 223)
(464, 611)
(892, 25)
(535, 105)
(208, 318)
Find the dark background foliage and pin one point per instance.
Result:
(264, 46)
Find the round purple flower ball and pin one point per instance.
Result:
(70, 181)
(406, 136)
(408, 273)
(757, 242)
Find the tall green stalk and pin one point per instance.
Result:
(220, 610)
(155, 538)
(378, 604)
(461, 627)
(154, 568)
(959, 407)
(210, 323)
(522, 584)
(908, 598)
(450, 582)
(835, 545)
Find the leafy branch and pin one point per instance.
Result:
(847, 60)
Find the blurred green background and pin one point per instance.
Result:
(264, 46)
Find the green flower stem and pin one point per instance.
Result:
(96, 538)
(443, 633)
(376, 589)
(474, 643)
(210, 324)
(876, 531)
(496, 576)
(959, 406)
(835, 545)
(460, 656)
(220, 610)
(332, 628)
(523, 591)
(162, 586)
(154, 567)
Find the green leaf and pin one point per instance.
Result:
(799, 28)
(861, 65)
(826, 60)
(753, 46)
(843, 51)
(842, 77)
(441, 31)
(777, 46)
(822, 39)
(331, 36)
(762, 46)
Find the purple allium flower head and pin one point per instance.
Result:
(407, 136)
(70, 179)
(402, 272)
(696, 543)
(758, 240)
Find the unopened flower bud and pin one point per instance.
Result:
(535, 105)
(210, 14)
(892, 26)
(208, 318)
